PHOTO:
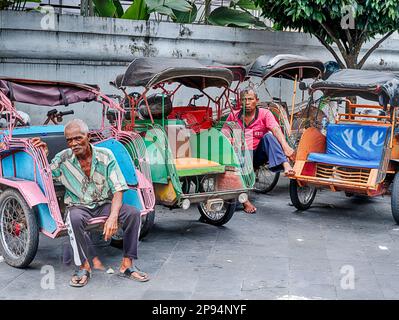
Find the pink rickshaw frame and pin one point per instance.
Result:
(31, 191)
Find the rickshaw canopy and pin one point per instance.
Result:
(370, 85)
(47, 93)
(240, 73)
(286, 66)
(148, 72)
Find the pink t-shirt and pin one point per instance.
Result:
(263, 122)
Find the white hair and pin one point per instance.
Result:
(79, 123)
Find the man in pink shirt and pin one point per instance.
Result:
(263, 137)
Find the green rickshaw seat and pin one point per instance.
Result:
(194, 167)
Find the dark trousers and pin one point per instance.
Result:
(77, 218)
(67, 254)
(269, 151)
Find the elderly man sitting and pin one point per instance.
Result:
(94, 187)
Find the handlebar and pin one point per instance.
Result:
(197, 96)
(55, 116)
(66, 113)
(194, 98)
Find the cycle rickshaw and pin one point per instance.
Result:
(192, 160)
(292, 119)
(30, 202)
(359, 152)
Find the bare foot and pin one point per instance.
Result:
(288, 171)
(249, 207)
(97, 264)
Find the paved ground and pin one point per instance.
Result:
(277, 253)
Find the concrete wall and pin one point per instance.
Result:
(95, 50)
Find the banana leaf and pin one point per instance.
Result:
(186, 17)
(105, 8)
(224, 16)
(137, 11)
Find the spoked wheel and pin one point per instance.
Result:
(147, 222)
(302, 197)
(266, 180)
(395, 198)
(19, 231)
(217, 218)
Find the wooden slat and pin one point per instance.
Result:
(376, 123)
(357, 115)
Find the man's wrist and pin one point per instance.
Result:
(113, 215)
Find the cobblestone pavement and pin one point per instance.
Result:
(341, 248)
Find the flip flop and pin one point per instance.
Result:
(80, 274)
(128, 273)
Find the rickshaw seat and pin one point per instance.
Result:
(196, 118)
(196, 166)
(353, 145)
(123, 159)
(53, 135)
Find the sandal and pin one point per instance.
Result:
(79, 276)
(129, 273)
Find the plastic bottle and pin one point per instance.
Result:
(324, 126)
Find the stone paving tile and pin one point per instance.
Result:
(313, 291)
(389, 285)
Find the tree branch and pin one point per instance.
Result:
(350, 40)
(329, 48)
(336, 40)
(363, 35)
(374, 47)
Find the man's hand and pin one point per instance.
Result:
(110, 227)
(38, 143)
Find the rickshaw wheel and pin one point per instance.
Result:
(266, 180)
(19, 231)
(395, 198)
(217, 218)
(302, 197)
(147, 223)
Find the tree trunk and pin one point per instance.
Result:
(351, 60)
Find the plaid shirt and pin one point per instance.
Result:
(105, 178)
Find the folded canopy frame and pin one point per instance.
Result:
(54, 93)
(156, 73)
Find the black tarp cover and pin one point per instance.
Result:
(47, 93)
(370, 85)
(147, 72)
(286, 66)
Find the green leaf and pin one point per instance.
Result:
(137, 11)
(178, 5)
(247, 4)
(119, 8)
(166, 11)
(105, 8)
(186, 17)
(152, 4)
(224, 16)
